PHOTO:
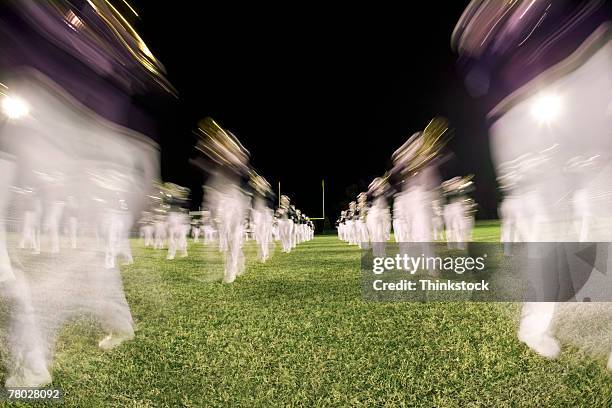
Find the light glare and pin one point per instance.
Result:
(546, 108)
(14, 107)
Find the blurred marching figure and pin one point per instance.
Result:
(438, 220)
(512, 212)
(178, 229)
(207, 227)
(53, 209)
(458, 212)
(300, 223)
(543, 69)
(177, 219)
(303, 225)
(275, 235)
(212, 196)
(146, 228)
(416, 214)
(310, 229)
(351, 215)
(262, 215)
(307, 228)
(510, 215)
(195, 229)
(415, 171)
(361, 230)
(72, 221)
(160, 232)
(347, 224)
(79, 281)
(68, 131)
(379, 219)
(340, 225)
(285, 223)
(227, 162)
(159, 219)
(248, 228)
(399, 220)
(293, 213)
(30, 229)
(297, 232)
(115, 228)
(290, 225)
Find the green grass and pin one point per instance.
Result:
(296, 332)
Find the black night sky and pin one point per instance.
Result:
(315, 92)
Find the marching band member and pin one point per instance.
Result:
(227, 162)
(285, 223)
(543, 70)
(378, 220)
(294, 216)
(146, 229)
(351, 217)
(361, 229)
(340, 225)
(72, 220)
(207, 227)
(438, 220)
(178, 224)
(415, 166)
(160, 230)
(195, 229)
(263, 215)
(30, 230)
(457, 213)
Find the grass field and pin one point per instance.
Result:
(296, 332)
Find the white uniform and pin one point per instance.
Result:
(554, 132)
(378, 222)
(230, 204)
(285, 230)
(160, 232)
(195, 232)
(262, 222)
(146, 232)
(178, 227)
(58, 139)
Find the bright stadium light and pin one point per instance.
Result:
(14, 107)
(546, 108)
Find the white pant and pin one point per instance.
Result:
(263, 232)
(147, 233)
(285, 230)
